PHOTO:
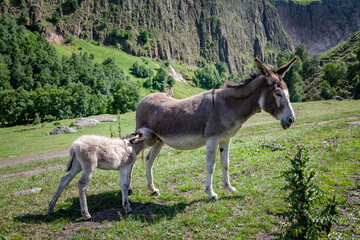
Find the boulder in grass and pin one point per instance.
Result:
(103, 118)
(61, 130)
(338, 98)
(85, 122)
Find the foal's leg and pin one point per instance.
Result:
(224, 159)
(65, 180)
(211, 145)
(82, 184)
(150, 158)
(124, 185)
(130, 173)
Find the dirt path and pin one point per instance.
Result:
(40, 156)
(63, 153)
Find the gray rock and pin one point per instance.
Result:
(27, 192)
(61, 130)
(103, 118)
(338, 98)
(85, 122)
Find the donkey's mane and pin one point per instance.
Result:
(251, 77)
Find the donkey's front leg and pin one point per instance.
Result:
(150, 158)
(224, 159)
(211, 145)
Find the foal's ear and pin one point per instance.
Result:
(138, 137)
(265, 71)
(282, 70)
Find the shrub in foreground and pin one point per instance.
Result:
(304, 221)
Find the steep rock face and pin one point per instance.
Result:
(193, 31)
(320, 25)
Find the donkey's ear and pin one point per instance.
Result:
(265, 71)
(138, 137)
(282, 70)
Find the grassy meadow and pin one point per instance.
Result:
(183, 211)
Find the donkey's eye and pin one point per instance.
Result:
(278, 94)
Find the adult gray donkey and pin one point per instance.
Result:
(213, 118)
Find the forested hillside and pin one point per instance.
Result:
(36, 84)
(335, 72)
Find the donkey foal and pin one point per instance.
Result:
(89, 152)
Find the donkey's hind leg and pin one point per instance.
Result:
(224, 159)
(65, 180)
(150, 158)
(82, 184)
(211, 145)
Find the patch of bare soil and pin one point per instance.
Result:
(103, 219)
(40, 156)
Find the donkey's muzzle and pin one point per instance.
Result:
(287, 123)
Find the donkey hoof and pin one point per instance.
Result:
(214, 196)
(155, 193)
(51, 210)
(230, 189)
(87, 218)
(129, 191)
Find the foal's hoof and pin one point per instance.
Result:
(87, 218)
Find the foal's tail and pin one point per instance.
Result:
(71, 159)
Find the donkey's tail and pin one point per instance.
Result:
(71, 159)
(142, 155)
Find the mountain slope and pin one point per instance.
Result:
(230, 31)
(320, 25)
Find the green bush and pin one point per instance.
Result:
(356, 80)
(144, 36)
(327, 91)
(141, 71)
(304, 220)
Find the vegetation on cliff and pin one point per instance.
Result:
(194, 32)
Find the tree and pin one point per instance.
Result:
(334, 72)
(126, 97)
(159, 82)
(221, 67)
(356, 80)
(144, 36)
(301, 52)
(296, 89)
(327, 91)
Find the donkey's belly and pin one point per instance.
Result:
(184, 142)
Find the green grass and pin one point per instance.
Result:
(257, 158)
(28, 140)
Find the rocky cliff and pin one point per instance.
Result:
(320, 25)
(192, 31)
